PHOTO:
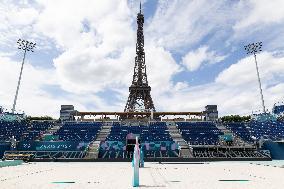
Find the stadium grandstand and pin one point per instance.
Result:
(107, 136)
(111, 140)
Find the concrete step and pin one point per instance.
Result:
(93, 149)
(177, 137)
(52, 130)
(237, 139)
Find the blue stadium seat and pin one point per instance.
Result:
(254, 130)
(156, 131)
(240, 129)
(14, 129)
(36, 129)
(199, 133)
(79, 131)
(278, 109)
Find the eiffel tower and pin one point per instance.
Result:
(139, 92)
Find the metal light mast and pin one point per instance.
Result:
(254, 48)
(25, 46)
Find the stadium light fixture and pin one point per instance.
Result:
(25, 46)
(254, 48)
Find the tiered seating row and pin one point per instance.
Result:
(254, 130)
(9, 129)
(23, 130)
(271, 129)
(199, 133)
(240, 129)
(79, 131)
(156, 131)
(278, 109)
(37, 128)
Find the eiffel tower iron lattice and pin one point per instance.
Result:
(139, 92)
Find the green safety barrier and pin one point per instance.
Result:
(10, 163)
(226, 137)
(51, 138)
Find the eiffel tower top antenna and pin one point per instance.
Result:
(140, 7)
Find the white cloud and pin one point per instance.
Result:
(86, 71)
(95, 58)
(235, 90)
(181, 24)
(243, 73)
(98, 58)
(108, 60)
(108, 21)
(193, 60)
(261, 12)
(161, 67)
(258, 20)
(96, 41)
(33, 96)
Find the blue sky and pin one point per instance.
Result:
(194, 54)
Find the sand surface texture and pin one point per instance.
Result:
(217, 175)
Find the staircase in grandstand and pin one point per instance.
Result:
(185, 152)
(49, 133)
(238, 141)
(94, 146)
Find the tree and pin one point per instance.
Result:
(40, 118)
(235, 118)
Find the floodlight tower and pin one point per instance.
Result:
(254, 48)
(25, 46)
